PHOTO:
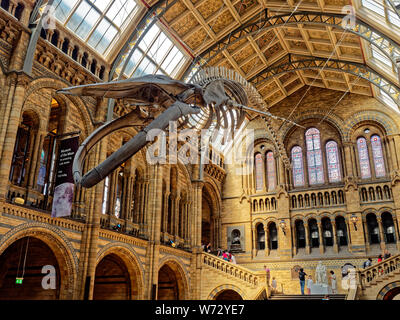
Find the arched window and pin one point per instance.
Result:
(259, 172)
(118, 194)
(105, 195)
(298, 171)
(271, 171)
(314, 157)
(377, 155)
(364, 158)
(332, 159)
(261, 237)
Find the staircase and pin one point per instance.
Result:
(306, 297)
(375, 278)
(218, 275)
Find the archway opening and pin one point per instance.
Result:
(112, 279)
(300, 234)
(388, 227)
(373, 229)
(170, 283)
(25, 259)
(393, 294)
(228, 295)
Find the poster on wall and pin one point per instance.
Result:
(64, 185)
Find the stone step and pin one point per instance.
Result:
(306, 297)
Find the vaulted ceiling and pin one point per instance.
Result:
(201, 24)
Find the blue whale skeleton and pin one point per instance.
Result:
(217, 98)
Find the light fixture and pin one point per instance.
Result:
(354, 219)
(283, 226)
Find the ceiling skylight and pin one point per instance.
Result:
(97, 22)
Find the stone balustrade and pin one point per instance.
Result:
(35, 215)
(67, 44)
(375, 193)
(317, 199)
(378, 271)
(234, 270)
(264, 204)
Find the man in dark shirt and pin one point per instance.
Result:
(302, 277)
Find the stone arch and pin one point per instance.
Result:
(379, 117)
(181, 273)
(386, 289)
(215, 292)
(57, 84)
(332, 119)
(258, 221)
(133, 263)
(60, 246)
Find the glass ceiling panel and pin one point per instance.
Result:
(97, 22)
(156, 54)
(382, 12)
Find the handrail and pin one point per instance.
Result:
(379, 270)
(253, 278)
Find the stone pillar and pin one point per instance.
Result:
(89, 244)
(196, 263)
(10, 127)
(308, 246)
(254, 233)
(348, 160)
(35, 162)
(334, 231)
(381, 234)
(294, 241)
(321, 238)
(266, 233)
(176, 218)
(154, 205)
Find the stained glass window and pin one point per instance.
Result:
(298, 171)
(377, 154)
(259, 172)
(332, 159)
(314, 156)
(271, 171)
(364, 158)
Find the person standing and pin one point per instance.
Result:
(387, 255)
(233, 258)
(302, 279)
(274, 285)
(367, 263)
(309, 284)
(333, 281)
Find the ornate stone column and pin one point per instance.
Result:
(308, 246)
(254, 233)
(321, 238)
(381, 234)
(153, 220)
(294, 239)
(12, 114)
(334, 231)
(267, 250)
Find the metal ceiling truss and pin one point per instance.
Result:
(386, 45)
(308, 63)
(395, 6)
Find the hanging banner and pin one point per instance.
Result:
(64, 185)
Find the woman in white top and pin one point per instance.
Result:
(309, 284)
(333, 281)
